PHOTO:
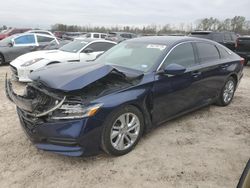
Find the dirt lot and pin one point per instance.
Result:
(206, 148)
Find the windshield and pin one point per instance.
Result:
(74, 46)
(133, 55)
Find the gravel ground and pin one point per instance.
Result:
(206, 148)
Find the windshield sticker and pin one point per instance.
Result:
(144, 66)
(157, 46)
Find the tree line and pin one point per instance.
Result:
(237, 24)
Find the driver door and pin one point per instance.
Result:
(22, 45)
(175, 94)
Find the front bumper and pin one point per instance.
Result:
(66, 137)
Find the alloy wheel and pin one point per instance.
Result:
(228, 91)
(125, 131)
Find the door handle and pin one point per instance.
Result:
(196, 74)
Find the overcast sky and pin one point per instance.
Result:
(43, 13)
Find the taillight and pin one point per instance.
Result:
(242, 61)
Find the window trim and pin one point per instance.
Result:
(162, 62)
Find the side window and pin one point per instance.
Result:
(128, 36)
(100, 46)
(218, 37)
(25, 39)
(44, 39)
(96, 35)
(182, 55)
(103, 36)
(207, 52)
(227, 37)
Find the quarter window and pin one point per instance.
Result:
(207, 52)
(25, 39)
(182, 55)
(44, 39)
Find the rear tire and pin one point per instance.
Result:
(122, 130)
(227, 92)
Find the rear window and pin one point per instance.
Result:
(207, 52)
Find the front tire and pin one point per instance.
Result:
(227, 92)
(122, 130)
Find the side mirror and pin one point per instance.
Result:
(88, 50)
(10, 44)
(174, 69)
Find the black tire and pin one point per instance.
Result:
(1, 59)
(246, 61)
(221, 100)
(108, 127)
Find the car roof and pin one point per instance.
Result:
(167, 40)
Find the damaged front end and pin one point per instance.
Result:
(34, 102)
(39, 103)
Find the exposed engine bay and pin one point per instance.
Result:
(39, 100)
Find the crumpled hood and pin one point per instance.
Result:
(72, 76)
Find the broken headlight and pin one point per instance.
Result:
(75, 111)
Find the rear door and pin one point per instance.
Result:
(44, 40)
(211, 65)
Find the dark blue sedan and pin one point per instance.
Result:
(82, 108)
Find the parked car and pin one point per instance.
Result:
(84, 50)
(59, 34)
(227, 39)
(92, 36)
(72, 35)
(12, 31)
(16, 45)
(120, 36)
(242, 47)
(77, 109)
(53, 45)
